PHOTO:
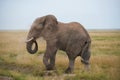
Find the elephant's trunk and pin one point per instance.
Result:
(29, 46)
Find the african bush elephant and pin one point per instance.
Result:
(69, 37)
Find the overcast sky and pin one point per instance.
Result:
(93, 14)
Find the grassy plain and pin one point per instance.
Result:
(17, 64)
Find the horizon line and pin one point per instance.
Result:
(116, 29)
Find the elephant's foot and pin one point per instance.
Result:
(87, 67)
(50, 73)
(49, 67)
(68, 70)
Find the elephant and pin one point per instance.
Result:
(71, 38)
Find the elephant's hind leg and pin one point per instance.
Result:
(85, 58)
(71, 66)
(86, 65)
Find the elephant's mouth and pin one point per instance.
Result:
(32, 46)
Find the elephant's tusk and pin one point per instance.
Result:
(29, 40)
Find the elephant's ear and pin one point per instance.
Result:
(50, 22)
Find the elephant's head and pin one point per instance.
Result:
(41, 27)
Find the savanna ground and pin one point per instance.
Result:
(17, 64)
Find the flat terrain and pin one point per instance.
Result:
(17, 64)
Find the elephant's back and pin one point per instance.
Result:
(75, 26)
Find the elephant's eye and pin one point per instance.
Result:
(37, 27)
(40, 24)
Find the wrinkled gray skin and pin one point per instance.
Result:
(69, 37)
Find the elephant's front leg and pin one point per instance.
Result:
(52, 61)
(49, 60)
(49, 57)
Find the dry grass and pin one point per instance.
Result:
(16, 63)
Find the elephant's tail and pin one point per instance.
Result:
(85, 54)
